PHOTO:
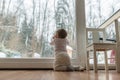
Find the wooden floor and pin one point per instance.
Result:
(52, 75)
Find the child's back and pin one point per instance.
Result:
(60, 45)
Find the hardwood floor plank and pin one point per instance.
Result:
(52, 75)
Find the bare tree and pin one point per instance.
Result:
(8, 6)
(3, 7)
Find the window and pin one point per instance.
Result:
(26, 27)
(97, 11)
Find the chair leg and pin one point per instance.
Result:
(106, 61)
(87, 65)
(95, 61)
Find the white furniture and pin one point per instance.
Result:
(99, 47)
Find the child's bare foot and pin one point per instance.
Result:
(79, 68)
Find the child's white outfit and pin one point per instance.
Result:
(62, 60)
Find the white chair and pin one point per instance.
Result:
(96, 45)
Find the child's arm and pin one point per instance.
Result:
(52, 42)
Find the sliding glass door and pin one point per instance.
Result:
(27, 26)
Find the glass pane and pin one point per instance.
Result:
(110, 33)
(26, 26)
(90, 38)
(101, 59)
(97, 11)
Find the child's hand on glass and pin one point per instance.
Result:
(55, 36)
